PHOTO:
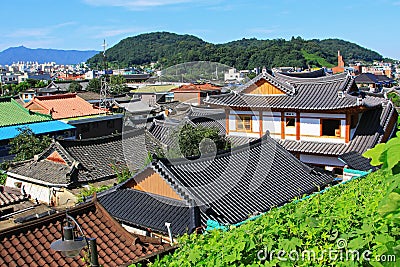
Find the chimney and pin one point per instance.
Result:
(340, 60)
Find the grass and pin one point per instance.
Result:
(312, 57)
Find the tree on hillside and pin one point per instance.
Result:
(194, 141)
(25, 145)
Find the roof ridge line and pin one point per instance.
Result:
(221, 153)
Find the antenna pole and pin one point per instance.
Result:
(104, 102)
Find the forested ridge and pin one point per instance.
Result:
(169, 49)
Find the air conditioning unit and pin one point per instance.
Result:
(340, 94)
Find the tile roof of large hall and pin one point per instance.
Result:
(320, 93)
(227, 187)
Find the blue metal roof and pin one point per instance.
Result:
(37, 128)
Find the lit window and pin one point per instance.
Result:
(244, 123)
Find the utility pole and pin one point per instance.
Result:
(104, 101)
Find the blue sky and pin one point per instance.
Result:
(83, 24)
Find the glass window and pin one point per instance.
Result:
(290, 122)
(243, 123)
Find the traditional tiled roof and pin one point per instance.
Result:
(371, 129)
(87, 160)
(284, 86)
(164, 130)
(237, 183)
(49, 172)
(88, 95)
(28, 244)
(10, 196)
(384, 79)
(12, 113)
(310, 94)
(197, 88)
(97, 155)
(366, 78)
(62, 106)
(354, 160)
(208, 117)
(45, 127)
(52, 87)
(305, 74)
(149, 211)
(155, 89)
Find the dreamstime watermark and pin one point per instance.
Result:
(340, 253)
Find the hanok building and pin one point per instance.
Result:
(28, 244)
(315, 118)
(14, 117)
(62, 106)
(90, 121)
(195, 93)
(373, 82)
(69, 164)
(226, 187)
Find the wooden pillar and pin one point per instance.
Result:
(260, 120)
(282, 125)
(298, 126)
(347, 128)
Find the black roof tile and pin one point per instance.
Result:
(89, 160)
(356, 161)
(145, 210)
(309, 94)
(248, 179)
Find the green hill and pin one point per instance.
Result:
(169, 49)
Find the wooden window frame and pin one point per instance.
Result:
(290, 118)
(241, 123)
(331, 136)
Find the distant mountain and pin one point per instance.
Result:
(21, 53)
(169, 49)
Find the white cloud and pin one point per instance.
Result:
(38, 32)
(104, 33)
(263, 30)
(141, 4)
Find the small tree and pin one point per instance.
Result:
(194, 141)
(3, 177)
(94, 85)
(74, 86)
(25, 145)
(118, 84)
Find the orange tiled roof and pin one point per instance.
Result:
(62, 106)
(28, 244)
(196, 88)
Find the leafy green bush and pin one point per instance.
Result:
(3, 177)
(347, 219)
(395, 98)
(388, 156)
(90, 190)
(345, 213)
